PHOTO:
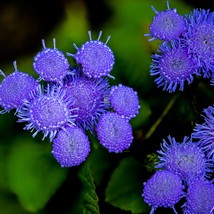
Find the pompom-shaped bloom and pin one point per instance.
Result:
(124, 101)
(51, 64)
(14, 88)
(200, 197)
(203, 133)
(185, 159)
(166, 25)
(114, 132)
(48, 111)
(163, 189)
(173, 67)
(90, 98)
(95, 57)
(200, 39)
(71, 147)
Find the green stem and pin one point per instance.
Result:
(158, 121)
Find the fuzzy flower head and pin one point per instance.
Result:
(48, 112)
(203, 133)
(15, 88)
(114, 132)
(199, 39)
(90, 98)
(173, 67)
(200, 197)
(166, 25)
(185, 159)
(51, 64)
(163, 189)
(71, 147)
(95, 57)
(124, 101)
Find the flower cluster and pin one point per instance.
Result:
(186, 49)
(183, 170)
(68, 102)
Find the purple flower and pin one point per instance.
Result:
(15, 88)
(185, 159)
(90, 98)
(114, 132)
(163, 189)
(166, 25)
(71, 147)
(203, 133)
(124, 101)
(95, 57)
(51, 64)
(200, 197)
(199, 39)
(48, 111)
(173, 67)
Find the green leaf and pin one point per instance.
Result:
(87, 202)
(143, 116)
(99, 160)
(9, 204)
(124, 189)
(34, 176)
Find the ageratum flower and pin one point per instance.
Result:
(14, 88)
(90, 98)
(163, 189)
(173, 67)
(124, 101)
(200, 197)
(199, 39)
(51, 64)
(166, 25)
(185, 159)
(48, 111)
(71, 147)
(114, 132)
(203, 133)
(95, 57)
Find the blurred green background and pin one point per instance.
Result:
(31, 181)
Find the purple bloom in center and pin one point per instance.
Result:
(203, 133)
(166, 25)
(51, 64)
(185, 159)
(15, 88)
(173, 67)
(114, 132)
(163, 189)
(90, 98)
(200, 197)
(95, 57)
(71, 147)
(199, 39)
(48, 112)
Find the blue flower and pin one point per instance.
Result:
(51, 64)
(14, 88)
(163, 189)
(48, 111)
(71, 147)
(114, 132)
(173, 67)
(124, 101)
(185, 159)
(203, 133)
(199, 39)
(200, 197)
(166, 25)
(90, 98)
(95, 57)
